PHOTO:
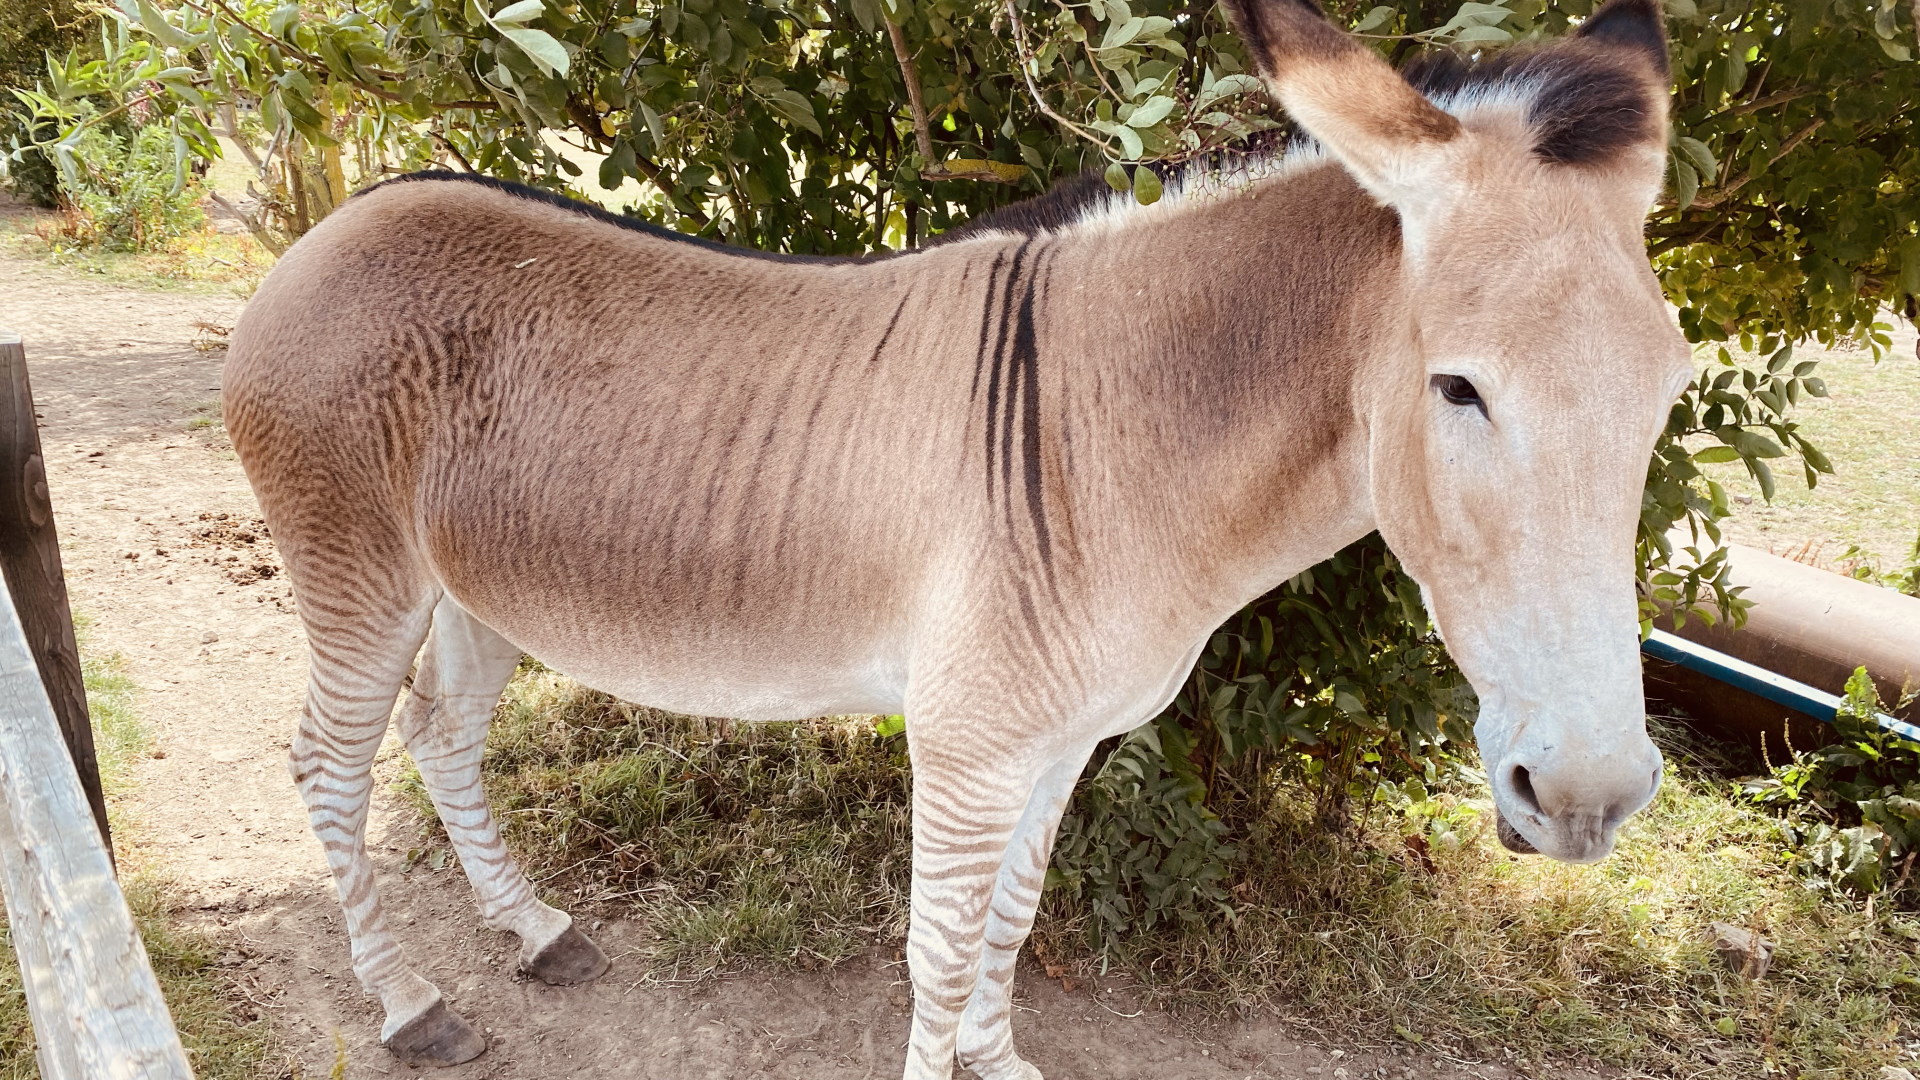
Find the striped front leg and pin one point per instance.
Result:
(985, 1042)
(968, 801)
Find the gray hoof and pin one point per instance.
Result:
(570, 958)
(436, 1037)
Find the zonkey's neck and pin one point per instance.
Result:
(1221, 351)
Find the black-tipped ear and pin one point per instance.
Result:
(1631, 24)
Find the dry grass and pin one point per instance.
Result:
(221, 1042)
(775, 843)
(787, 844)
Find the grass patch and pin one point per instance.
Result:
(781, 844)
(787, 844)
(1873, 499)
(1475, 952)
(220, 1040)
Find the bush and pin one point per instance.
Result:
(127, 192)
(1854, 804)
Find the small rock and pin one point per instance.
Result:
(209, 638)
(1895, 1072)
(1744, 951)
(1339, 1074)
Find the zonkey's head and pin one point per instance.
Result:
(1511, 423)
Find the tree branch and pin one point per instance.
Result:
(1040, 102)
(451, 149)
(916, 99)
(1739, 180)
(260, 234)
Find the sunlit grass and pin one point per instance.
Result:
(202, 260)
(1485, 954)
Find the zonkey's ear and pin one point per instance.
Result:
(1391, 138)
(1633, 25)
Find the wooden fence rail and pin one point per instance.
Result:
(95, 1005)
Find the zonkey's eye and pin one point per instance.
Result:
(1459, 391)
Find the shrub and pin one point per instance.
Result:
(128, 192)
(1854, 804)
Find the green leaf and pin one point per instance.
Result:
(541, 47)
(791, 105)
(1116, 177)
(514, 14)
(1146, 186)
(1490, 35)
(156, 24)
(1151, 112)
(1120, 33)
(1716, 455)
(1686, 184)
(1699, 156)
(1373, 19)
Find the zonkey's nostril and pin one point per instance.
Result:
(1522, 783)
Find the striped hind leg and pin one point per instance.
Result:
(985, 1041)
(444, 722)
(361, 649)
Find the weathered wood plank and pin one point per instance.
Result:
(96, 1007)
(30, 563)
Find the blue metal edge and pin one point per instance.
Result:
(1754, 679)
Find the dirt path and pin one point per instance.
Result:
(165, 556)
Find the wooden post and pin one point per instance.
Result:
(96, 1007)
(30, 560)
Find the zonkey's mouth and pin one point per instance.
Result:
(1510, 837)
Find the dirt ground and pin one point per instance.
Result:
(165, 556)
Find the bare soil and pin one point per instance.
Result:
(166, 555)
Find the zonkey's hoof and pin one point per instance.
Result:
(436, 1037)
(570, 958)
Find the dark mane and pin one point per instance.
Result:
(1585, 101)
(1066, 202)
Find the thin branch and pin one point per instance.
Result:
(916, 100)
(451, 149)
(1778, 97)
(260, 234)
(1039, 102)
(657, 176)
